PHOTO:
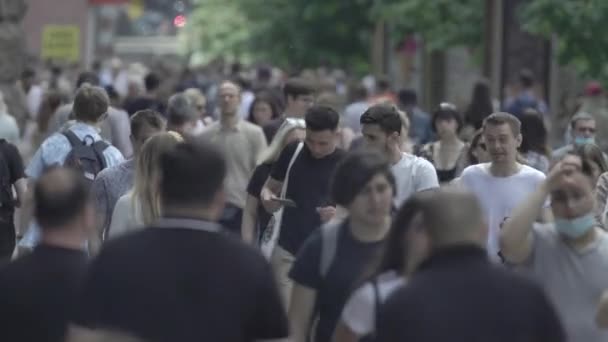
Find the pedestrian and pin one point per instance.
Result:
(114, 182)
(503, 183)
(38, 291)
(583, 131)
(255, 217)
(150, 100)
(73, 147)
(447, 152)
(243, 143)
(420, 129)
(114, 126)
(406, 246)
(534, 144)
(299, 97)
(382, 129)
(301, 175)
(481, 105)
(11, 176)
(182, 116)
(263, 110)
(457, 294)
(140, 206)
(358, 105)
(199, 101)
(568, 256)
(183, 279)
(9, 130)
(335, 256)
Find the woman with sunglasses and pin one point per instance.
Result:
(446, 153)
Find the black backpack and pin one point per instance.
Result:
(6, 187)
(86, 158)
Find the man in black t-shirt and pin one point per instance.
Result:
(308, 187)
(38, 291)
(183, 279)
(299, 97)
(11, 175)
(324, 277)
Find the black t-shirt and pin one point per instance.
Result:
(256, 183)
(38, 293)
(141, 103)
(457, 294)
(11, 156)
(351, 259)
(183, 284)
(308, 187)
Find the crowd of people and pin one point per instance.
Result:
(264, 207)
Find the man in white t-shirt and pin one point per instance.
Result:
(381, 127)
(502, 184)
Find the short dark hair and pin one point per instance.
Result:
(60, 195)
(383, 115)
(383, 83)
(151, 81)
(356, 170)
(321, 118)
(146, 118)
(199, 176)
(295, 87)
(407, 97)
(180, 110)
(501, 118)
(446, 111)
(87, 77)
(526, 78)
(90, 103)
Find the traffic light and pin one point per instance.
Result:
(179, 20)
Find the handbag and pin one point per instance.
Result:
(271, 233)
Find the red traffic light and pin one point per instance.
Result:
(179, 21)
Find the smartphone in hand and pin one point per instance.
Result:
(285, 202)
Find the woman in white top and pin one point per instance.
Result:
(140, 206)
(406, 247)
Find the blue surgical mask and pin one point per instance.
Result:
(580, 141)
(577, 227)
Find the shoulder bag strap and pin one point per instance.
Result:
(291, 162)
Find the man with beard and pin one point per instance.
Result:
(381, 128)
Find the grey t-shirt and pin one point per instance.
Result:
(574, 280)
(109, 186)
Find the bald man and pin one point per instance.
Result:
(242, 143)
(37, 292)
(457, 294)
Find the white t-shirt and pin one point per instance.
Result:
(126, 216)
(499, 195)
(413, 174)
(359, 313)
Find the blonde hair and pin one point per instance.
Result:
(271, 154)
(146, 192)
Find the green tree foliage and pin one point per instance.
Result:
(440, 23)
(578, 26)
(296, 33)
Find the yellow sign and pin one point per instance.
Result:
(61, 42)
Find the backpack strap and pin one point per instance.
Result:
(72, 138)
(291, 162)
(98, 147)
(329, 245)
